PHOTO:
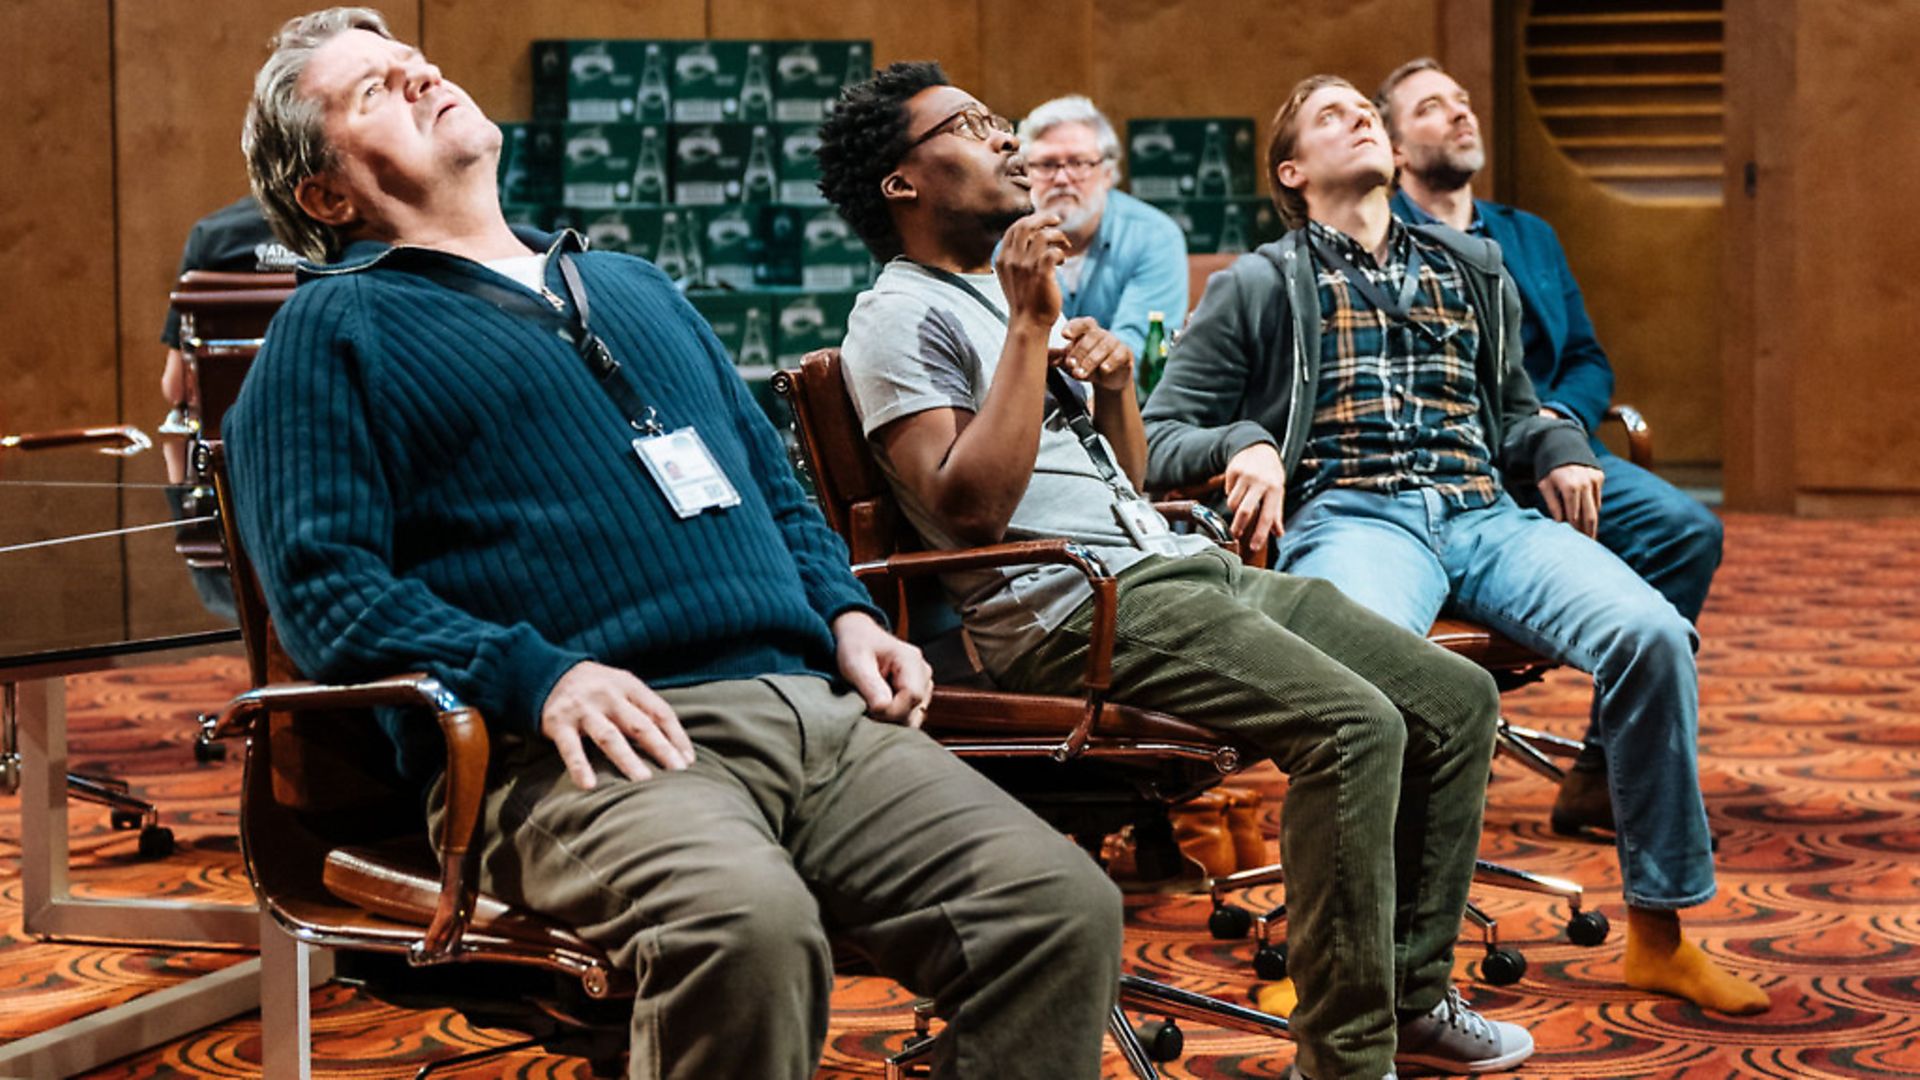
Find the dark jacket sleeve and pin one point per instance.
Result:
(817, 550)
(1583, 383)
(1531, 445)
(316, 513)
(1195, 418)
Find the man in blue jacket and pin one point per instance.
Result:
(531, 471)
(1128, 259)
(1665, 535)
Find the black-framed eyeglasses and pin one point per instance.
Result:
(1077, 169)
(971, 122)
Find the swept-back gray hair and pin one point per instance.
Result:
(1072, 109)
(284, 138)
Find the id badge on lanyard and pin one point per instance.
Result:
(1144, 526)
(686, 471)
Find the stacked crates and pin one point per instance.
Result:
(699, 157)
(1201, 171)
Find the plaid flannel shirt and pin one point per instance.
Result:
(1397, 407)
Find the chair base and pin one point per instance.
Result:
(1501, 965)
(1535, 749)
(1155, 1041)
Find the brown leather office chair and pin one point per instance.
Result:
(223, 320)
(1169, 758)
(335, 843)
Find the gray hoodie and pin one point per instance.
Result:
(1247, 369)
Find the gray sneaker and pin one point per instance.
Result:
(1454, 1039)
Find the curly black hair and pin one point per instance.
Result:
(863, 140)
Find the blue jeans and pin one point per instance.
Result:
(1555, 591)
(1665, 535)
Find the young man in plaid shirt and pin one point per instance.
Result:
(1360, 384)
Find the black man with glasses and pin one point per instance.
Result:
(1129, 259)
(950, 360)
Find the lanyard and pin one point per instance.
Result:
(1396, 309)
(1059, 386)
(573, 328)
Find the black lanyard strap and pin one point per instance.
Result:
(1397, 309)
(572, 326)
(1059, 386)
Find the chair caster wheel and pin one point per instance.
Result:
(126, 819)
(1270, 962)
(1229, 923)
(206, 751)
(1503, 967)
(1163, 1039)
(156, 842)
(1588, 928)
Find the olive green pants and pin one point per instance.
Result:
(718, 886)
(1387, 739)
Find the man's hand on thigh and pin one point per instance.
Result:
(1256, 489)
(619, 714)
(1572, 495)
(891, 675)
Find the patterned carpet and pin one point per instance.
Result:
(1811, 679)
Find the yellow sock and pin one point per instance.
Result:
(1276, 999)
(1659, 958)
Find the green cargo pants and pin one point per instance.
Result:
(1387, 738)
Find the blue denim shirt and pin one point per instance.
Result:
(1566, 363)
(1137, 263)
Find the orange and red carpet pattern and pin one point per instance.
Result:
(1811, 728)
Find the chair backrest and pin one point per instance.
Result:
(338, 763)
(223, 320)
(1199, 269)
(852, 490)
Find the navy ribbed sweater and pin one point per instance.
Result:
(426, 483)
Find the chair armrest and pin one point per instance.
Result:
(467, 753)
(1106, 601)
(1204, 520)
(119, 440)
(1639, 435)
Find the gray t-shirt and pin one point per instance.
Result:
(915, 342)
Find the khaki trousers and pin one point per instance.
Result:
(801, 818)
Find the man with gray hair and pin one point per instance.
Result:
(1128, 259)
(531, 471)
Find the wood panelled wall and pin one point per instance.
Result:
(1821, 302)
(124, 119)
(1650, 272)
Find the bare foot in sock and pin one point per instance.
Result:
(1276, 999)
(1659, 958)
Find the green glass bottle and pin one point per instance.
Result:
(1153, 355)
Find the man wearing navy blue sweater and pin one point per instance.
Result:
(531, 471)
(1665, 535)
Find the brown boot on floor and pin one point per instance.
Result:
(1583, 805)
(1660, 959)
